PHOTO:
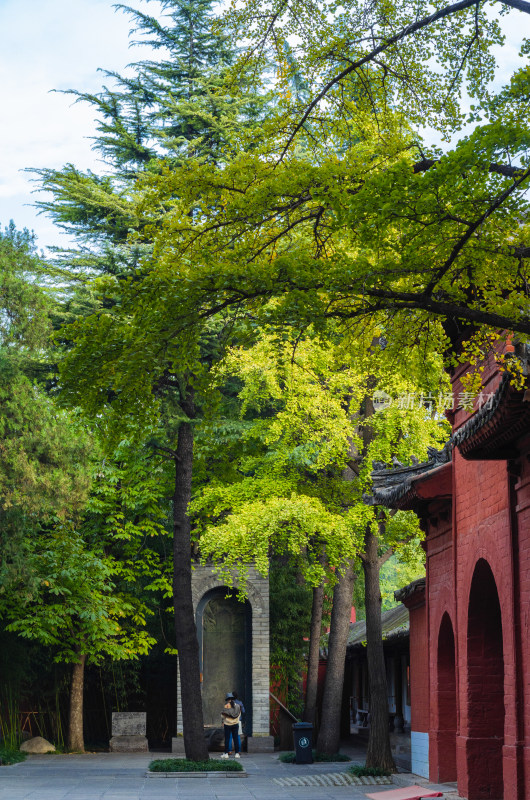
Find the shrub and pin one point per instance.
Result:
(289, 758)
(185, 765)
(11, 756)
(361, 770)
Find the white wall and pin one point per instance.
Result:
(419, 745)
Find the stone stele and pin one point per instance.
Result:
(128, 732)
(37, 745)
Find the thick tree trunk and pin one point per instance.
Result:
(329, 734)
(195, 744)
(379, 753)
(75, 724)
(314, 653)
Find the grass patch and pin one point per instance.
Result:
(185, 765)
(10, 756)
(289, 758)
(361, 771)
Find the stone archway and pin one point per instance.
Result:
(485, 688)
(224, 626)
(205, 584)
(445, 736)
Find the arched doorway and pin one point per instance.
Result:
(446, 702)
(224, 626)
(485, 687)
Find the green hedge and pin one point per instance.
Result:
(289, 758)
(9, 756)
(185, 765)
(361, 770)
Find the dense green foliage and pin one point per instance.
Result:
(288, 632)
(67, 600)
(9, 756)
(359, 770)
(340, 209)
(301, 400)
(186, 765)
(44, 451)
(290, 758)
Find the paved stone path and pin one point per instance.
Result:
(115, 776)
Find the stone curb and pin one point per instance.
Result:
(212, 773)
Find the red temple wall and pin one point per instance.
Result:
(489, 748)
(475, 695)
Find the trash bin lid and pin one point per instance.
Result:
(302, 726)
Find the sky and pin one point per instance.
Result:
(44, 46)
(61, 44)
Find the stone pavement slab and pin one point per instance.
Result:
(121, 776)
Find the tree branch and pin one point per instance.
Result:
(408, 30)
(162, 449)
(408, 300)
(384, 558)
(499, 200)
(499, 169)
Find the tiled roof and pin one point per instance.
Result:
(395, 623)
(490, 433)
(394, 487)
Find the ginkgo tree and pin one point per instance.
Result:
(374, 231)
(417, 56)
(342, 208)
(300, 468)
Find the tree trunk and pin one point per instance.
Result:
(195, 744)
(329, 734)
(379, 753)
(75, 724)
(314, 653)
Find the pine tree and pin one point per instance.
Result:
(167, 112)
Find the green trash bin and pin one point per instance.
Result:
(303, 742)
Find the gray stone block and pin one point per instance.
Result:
(129, 744)
(129, 723)
(177, 745)
(260, 744)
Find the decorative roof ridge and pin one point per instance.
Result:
(484, 415)
(390, 485)
(407, 591)
(492, 431)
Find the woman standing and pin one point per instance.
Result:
(231, 715)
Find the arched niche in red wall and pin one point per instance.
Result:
(446, 719)
(485, 687)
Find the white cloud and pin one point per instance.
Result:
(56, 45)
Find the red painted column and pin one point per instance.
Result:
(442, 668)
